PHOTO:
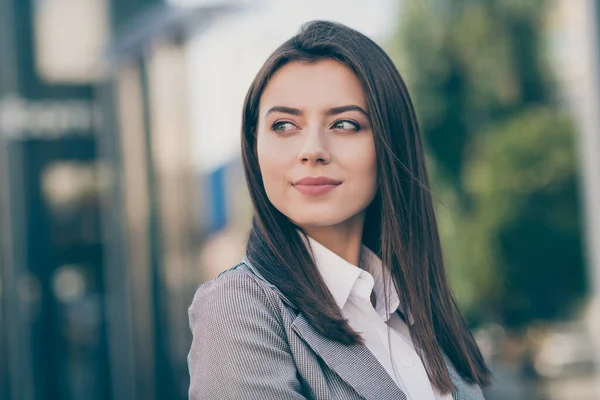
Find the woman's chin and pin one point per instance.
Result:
(317, 220)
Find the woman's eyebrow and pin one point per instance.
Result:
(351, 107)
(285, 110)
(331, 111)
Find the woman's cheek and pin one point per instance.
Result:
(273, 175)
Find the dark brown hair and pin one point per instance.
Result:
(400, 225)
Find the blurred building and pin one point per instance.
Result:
(53, 324)
(103, 214)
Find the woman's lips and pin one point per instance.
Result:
(316, 186)
(315, 190)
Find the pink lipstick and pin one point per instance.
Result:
(316, 186)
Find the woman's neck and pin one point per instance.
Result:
(343, 239)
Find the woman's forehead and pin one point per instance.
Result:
(323, 84)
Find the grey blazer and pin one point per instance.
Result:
(250, 342)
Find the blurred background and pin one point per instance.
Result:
(121, 186)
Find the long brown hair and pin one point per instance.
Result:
(400, 225)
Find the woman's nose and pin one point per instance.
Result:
(314, 149)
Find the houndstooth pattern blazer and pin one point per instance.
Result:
(251, 343)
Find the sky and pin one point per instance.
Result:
(224, 59)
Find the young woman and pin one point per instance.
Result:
(342, 292)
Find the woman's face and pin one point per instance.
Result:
(315, 144)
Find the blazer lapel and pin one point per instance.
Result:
(359, 368)
(355, 364)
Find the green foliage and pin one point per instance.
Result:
(502, 155)
(523, 177)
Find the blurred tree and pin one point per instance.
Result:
(502, 155)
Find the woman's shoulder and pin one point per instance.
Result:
(236, 289)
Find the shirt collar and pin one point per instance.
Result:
(340, 276)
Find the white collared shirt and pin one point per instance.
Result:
(351, 288)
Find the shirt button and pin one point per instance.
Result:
(408, 362)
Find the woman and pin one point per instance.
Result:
(342, 292)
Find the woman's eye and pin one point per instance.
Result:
(282, 126)
(346, 125)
